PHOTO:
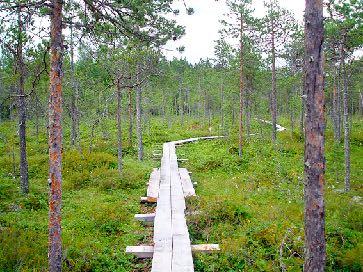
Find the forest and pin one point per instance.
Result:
(92, 110)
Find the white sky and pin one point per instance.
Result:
(202, 27)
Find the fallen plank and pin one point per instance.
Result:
(153, 188)
(188, 188)
(148, 251)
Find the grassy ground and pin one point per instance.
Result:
(252, 206)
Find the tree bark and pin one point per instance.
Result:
(140, 148)
(315, 248)
(55, 139)
(222, 108)
(302, 116)
(346, 122)
(241, 83)
(24, 182)
(273, 91)
(291, 110)
(181, 104)
(130, 117)
(119, 127)
(339, 103)
(335, 110)
(248, 111)
(74, 96)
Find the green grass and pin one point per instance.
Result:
(251, 206)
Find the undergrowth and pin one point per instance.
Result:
(252, 206)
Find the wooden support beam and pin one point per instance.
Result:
(206, 248)
(146, 218)
(143, 251)
(182, 160)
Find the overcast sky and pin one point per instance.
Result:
(202, 27)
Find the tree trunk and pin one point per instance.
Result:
(240, 121)
(248, 112)
(130, 117)
(291, 110)
(302, 116)
(315, 249)
(335, 110)
(346, 122)
(119, 128)
(222, 109)
(273, 92)
(140, 148)
(181, 105)
(339, 104)
(74, 110)
(361, 103)
(24, 185)
(55, 139)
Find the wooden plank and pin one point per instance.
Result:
(278, 127)
(182, 252)
(153, 188)
(141, 251)
(188, 188)
(148, 251)
(162, 224)
(206, 248)
(147, 218)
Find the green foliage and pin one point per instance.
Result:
(252, 206)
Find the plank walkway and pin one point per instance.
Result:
(172, 250)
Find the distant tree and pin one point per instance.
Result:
(15, 27)
(242, 10)
(346, 22)
(275, 29)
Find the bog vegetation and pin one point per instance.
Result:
(122, 99)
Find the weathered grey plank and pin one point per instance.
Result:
(172, 250)
(182, 252)
(141, 251)
(148, 251)
(188, 188)
(162, 224)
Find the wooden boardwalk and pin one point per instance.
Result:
(172, 250)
